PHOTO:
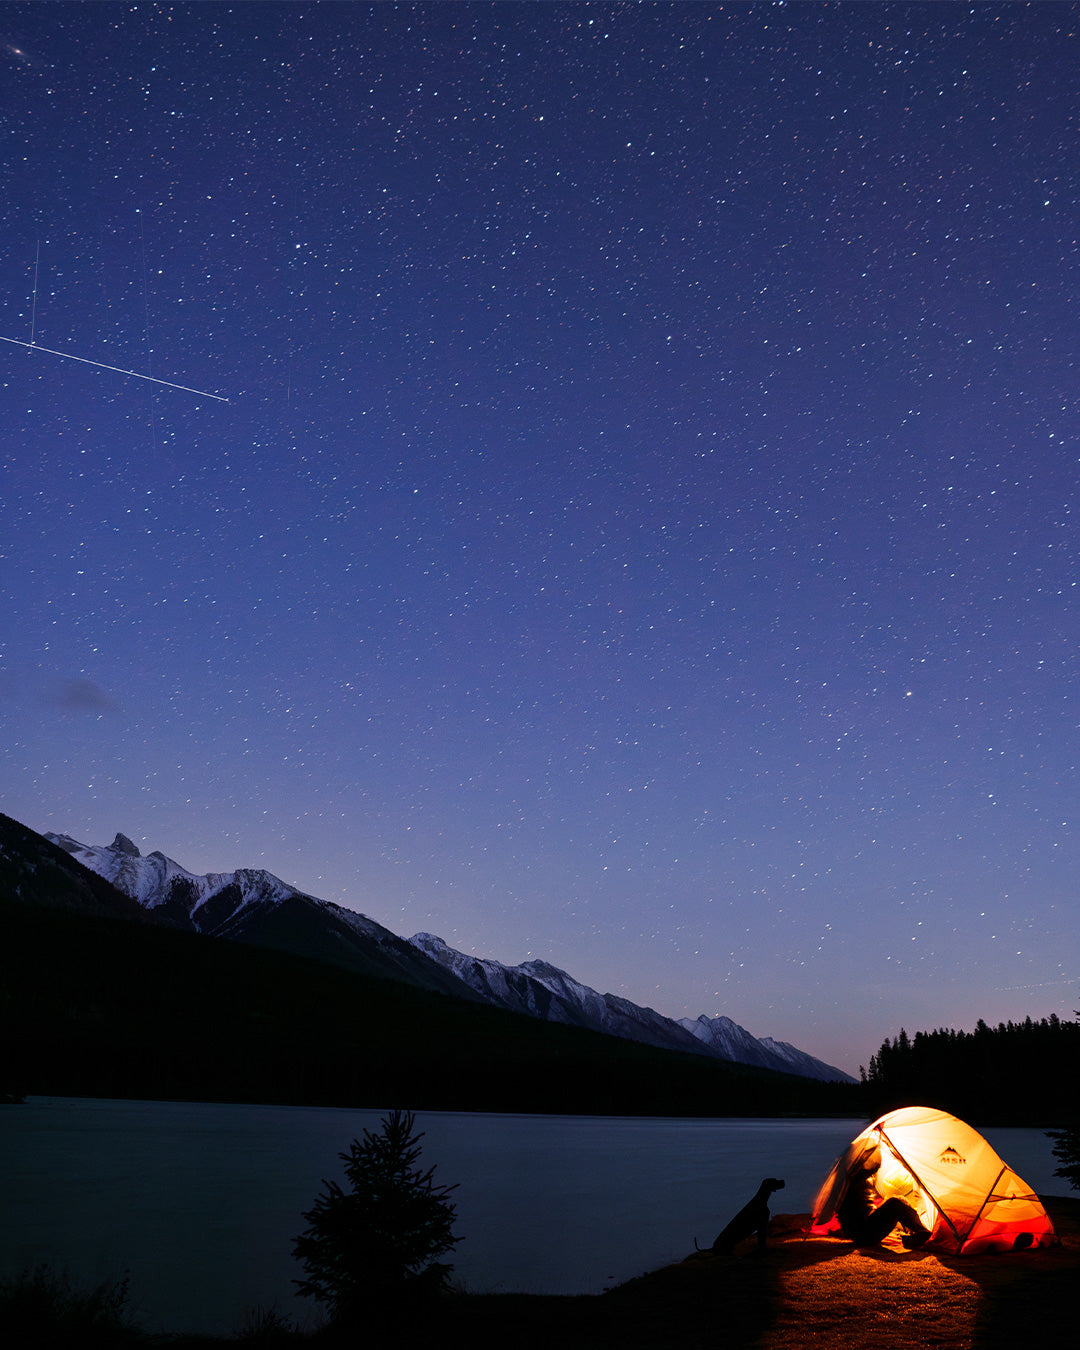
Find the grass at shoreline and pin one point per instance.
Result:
(805, 1294)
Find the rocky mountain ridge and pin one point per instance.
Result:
(252, 905)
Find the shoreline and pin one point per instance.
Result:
(809, 1293)
(804, 1293)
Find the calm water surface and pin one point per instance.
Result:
(199, 1203)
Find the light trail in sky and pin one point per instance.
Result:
(69, 356)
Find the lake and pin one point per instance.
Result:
(199, 1203)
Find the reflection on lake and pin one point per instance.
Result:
(200, 1202)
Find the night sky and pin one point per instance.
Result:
(640, 534)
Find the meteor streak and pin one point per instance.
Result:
(69, 356)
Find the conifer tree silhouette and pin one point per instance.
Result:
(1067, 1150)
(378, 1240)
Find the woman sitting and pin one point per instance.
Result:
(866, 1220)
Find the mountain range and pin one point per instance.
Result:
(255, 907)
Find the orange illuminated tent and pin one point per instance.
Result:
(950, 1175)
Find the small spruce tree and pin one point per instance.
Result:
(378, 1240)
(1067, 1151)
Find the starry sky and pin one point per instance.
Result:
(640, 531)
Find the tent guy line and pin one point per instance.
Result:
(69, 356)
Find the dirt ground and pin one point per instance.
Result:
(811, 1293)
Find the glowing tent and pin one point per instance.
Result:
(950, 1175)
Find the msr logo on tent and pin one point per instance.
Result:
(950, 1156)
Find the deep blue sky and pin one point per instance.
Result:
(640, 534)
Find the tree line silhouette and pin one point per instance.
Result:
(1017, 1073)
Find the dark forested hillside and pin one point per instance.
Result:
(1017, 1073)
(97, 999)
(106, 1007)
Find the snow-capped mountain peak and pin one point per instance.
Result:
(159, 883)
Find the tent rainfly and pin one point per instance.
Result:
(951, 1176)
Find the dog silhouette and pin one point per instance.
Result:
(752, 1218)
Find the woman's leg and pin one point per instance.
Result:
(885, 1218)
